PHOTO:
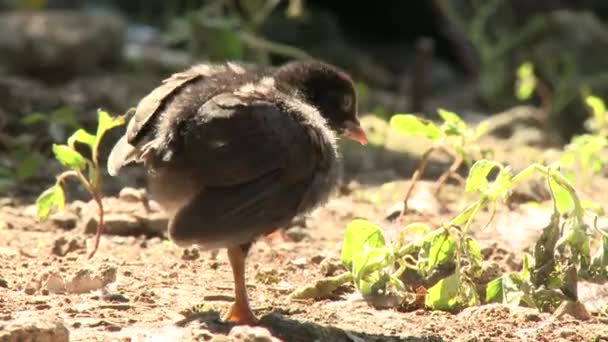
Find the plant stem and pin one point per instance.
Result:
(416, 176)
(100, 225)
(451, 172)
(62, 177)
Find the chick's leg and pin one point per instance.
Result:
(241, 311)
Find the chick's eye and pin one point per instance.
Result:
(347, 102)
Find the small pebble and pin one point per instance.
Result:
(297, 233)
(30, 290)
(191, 254)
(115, 297)
(317, 259)
(299, 262)
(532, 317)
(565, 333)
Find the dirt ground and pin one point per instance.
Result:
(139, 288)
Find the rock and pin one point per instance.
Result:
(86, 280)
(191, 254)
(63, 246)
(247, 334)
(132, 195)
(116, 224)
(297, 233)
(60, 44)
(53, 282)
(330, 266)
(33, 329)
(155, 223)
(299, 262)
(64, 220)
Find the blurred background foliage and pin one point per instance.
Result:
(74, 56)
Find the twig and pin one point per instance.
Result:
(416, 177)
(451, 172)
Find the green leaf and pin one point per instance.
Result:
(482, 129)
(526, 81)
(69, 157)
(567, 159)
(474, 250)
(359, 235)
(444, 294)
(370, 260)
(505, 289)
(105, 122)
(598, 108)
(439, 250)
(563, 201)
(526, 267)
(82, 137)
(599, 262)
(410, 125)
(593, 207)
(452, 123)
(478, 176)
(451, 293)
(51, 199)
(503, 183)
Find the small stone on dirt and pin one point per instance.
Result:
(33, 329)
(114, 224)
(268, 276)
(317, 259)
(114, 297)
(64, 220)
(191, 254)
(249, 334)
(132, 195)
(330, 266)
(299, 262)
(62, 246)
(53, 282)
(297, 233)
(3, 283)
(86, 280)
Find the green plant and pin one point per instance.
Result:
(86, 170)
(598, 122)
(454, 137)
(450, 259)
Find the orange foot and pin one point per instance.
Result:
(241, 315)
(278, 236)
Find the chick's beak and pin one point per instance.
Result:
(354, 132)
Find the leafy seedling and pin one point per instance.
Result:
(86, 170)
(548, 277)
(598, 122)
(453, 137)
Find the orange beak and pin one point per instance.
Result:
(354, 132)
